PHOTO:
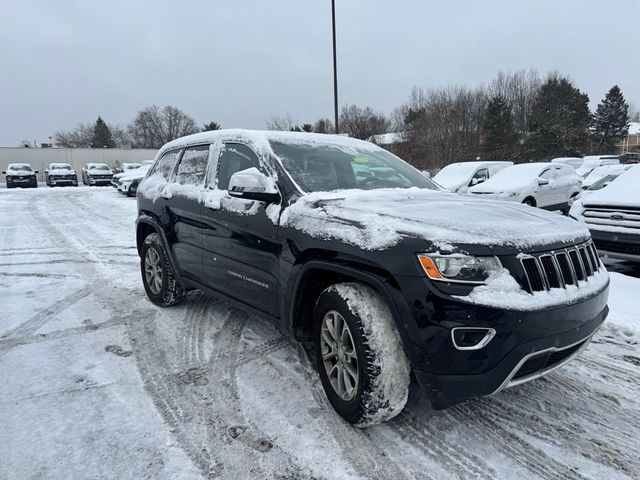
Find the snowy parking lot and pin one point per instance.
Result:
(97, 382)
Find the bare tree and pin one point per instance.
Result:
(79, 137)
(634, 113)
(519, 89)
(442, 125)
(155, 126)
(362, 123)
(323, 125)
(283, 123)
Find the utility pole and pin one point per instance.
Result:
(335, 65)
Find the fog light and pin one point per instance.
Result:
(471, 338)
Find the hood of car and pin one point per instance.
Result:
(61, 172)
(378, 219)
(20, 173)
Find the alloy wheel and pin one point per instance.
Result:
(153, 270)
(339, 355)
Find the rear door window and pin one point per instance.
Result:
(193, 165)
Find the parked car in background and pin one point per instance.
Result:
(545, 185)
(97, 174)
(591, 162)
(127, 182)
(60, 174)
(613, 216)
(126, 167)
(21, 175)
(597, 185)
(458, 177)
(601, 172)
(575, 162)
(343, 245)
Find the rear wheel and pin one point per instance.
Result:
(359, 354)
(160, 283)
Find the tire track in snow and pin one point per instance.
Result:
(510, 444)
(356, 445)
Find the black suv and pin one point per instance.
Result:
(345, 246)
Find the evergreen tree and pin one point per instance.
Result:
(499, 137)
(208, 127)
(559, 122)
(102, 137)
(610, 122)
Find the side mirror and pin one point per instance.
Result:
(251, 184)
(543, 181)
(4, 172)
(36, 171)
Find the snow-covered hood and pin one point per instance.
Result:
(377, 219)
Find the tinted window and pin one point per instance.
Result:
(165, 165)
(234, 158)
(193, 165)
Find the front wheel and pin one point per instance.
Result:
(160, 283)
(529, 201)
(359, 354)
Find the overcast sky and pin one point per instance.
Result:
(240, 62)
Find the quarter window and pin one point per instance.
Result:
(193, 165)
(235, 157)
(165, 165)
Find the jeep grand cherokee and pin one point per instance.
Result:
(343, 245)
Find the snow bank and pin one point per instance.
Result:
(503, 291)
(378, 219)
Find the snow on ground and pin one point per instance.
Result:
(99, 383)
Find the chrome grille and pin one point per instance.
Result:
(612, 216)
(558, 269)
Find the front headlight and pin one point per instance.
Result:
(458, 267)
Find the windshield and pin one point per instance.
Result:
(21, 168)
(99, 167)
(131, 166)
(59, 166)
(323, 168)
(603, 182)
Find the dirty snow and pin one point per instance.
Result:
(99, 383)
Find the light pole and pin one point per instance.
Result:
(335, 65)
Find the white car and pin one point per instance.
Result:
(97, 174)
(575, 162)
(593, 161)
(612, 215)
(60, 174)
(127, 182)
(545, 185)
(601, 172)
(458, 177)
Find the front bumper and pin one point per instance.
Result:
(619, 246)
(21, 181)
(526, 344)
(99, 181)
(63, 181)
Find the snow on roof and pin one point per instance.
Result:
(259, 140)
(623, 191)
(388, 138)
(634, 128)
(12, 165)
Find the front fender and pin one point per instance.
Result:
(384, 285)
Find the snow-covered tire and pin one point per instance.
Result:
(530, 201)
(167, 291)
(382, 385)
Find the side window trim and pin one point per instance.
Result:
(211, 177)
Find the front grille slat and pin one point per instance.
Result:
(558, 269)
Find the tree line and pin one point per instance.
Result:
(518, 116)
(152, 127)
